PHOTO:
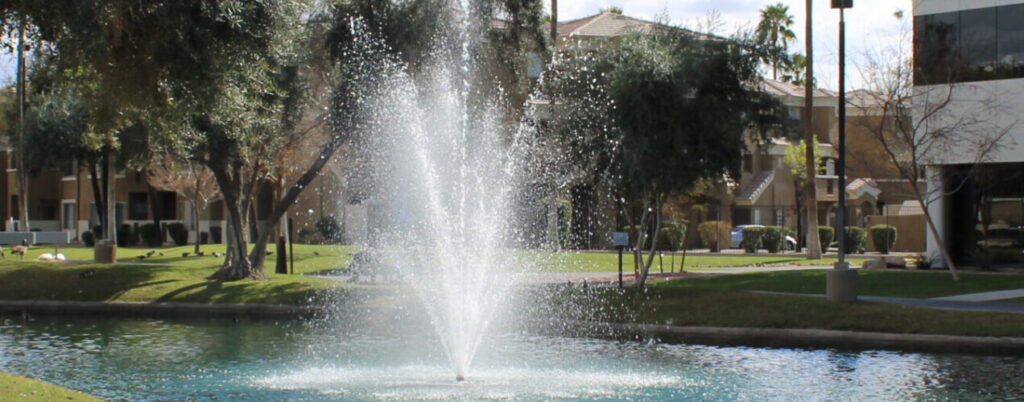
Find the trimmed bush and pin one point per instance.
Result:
(752, 238)
(855, 240)
(88, 239)
(772, 238)
(884, 237)
(706, 231)
(329, 228)
(178, 233)
(825, 235)
(150, 235)
(126, 237)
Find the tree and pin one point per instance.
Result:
(921, 124)
(190, 179)
(796, 152)
(657, 115)
(773, 30)
(795, 74)
(813, 244)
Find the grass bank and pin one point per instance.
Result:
(14, 388)
(914, 284)
(168, 275)
(689, 306)
(607, 262)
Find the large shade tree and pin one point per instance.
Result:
(220, 82)
(660, 113)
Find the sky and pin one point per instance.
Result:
(870, 26)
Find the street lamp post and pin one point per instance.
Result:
(842, 281)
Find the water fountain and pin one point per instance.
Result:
(446, 177)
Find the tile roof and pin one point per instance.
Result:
(779, 88)
(609, 25)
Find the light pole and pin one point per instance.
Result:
(841, 280)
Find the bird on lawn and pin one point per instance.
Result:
(150, 253)
(140, 257)
(185, 254)
(316, 253)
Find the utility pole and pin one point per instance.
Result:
(841, 281)
(554, 23)
(22, 177)
(810, 190)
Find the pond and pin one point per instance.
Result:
(159, 360)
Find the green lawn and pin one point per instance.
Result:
(688, 306)
(917, 284)
(167, 278)
(14, 388)
(607, 262)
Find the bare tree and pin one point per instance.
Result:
(191, 179)
(925, 124)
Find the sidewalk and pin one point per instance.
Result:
(938, 303)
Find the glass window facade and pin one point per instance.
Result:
(987, 214)
(969, 45)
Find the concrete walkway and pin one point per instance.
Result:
(986, 296)
(992, 307)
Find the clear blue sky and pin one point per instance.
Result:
(870, 26)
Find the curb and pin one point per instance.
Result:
(157, 310)
(806, 338)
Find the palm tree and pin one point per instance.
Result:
(773, 30)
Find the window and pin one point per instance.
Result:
(48, 210)
(168, 205)
(69, 215)
(138, 206)
(978, 36)
(1010, 25)
(970, 45)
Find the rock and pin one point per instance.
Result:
(895, 262)
(874, 264)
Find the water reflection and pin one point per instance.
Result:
(142, 359)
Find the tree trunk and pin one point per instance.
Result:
(801, 237)
(154, 210)
(645, 267)
(237, 265)
(935, 232)
(99, 196)
(813, 243)
(22, 174)
(259, 252)
(195, 219)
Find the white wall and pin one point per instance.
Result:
(981, 109)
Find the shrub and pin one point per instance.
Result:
(825, 235)
(306, 236)
(671, 237)
(884, 237)
(706, 231)
(126, 237)
(855, 240)
(178, 233)
(752, 238)
(329, 228)
(150, 234)
(772, 238)
(88, 239)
